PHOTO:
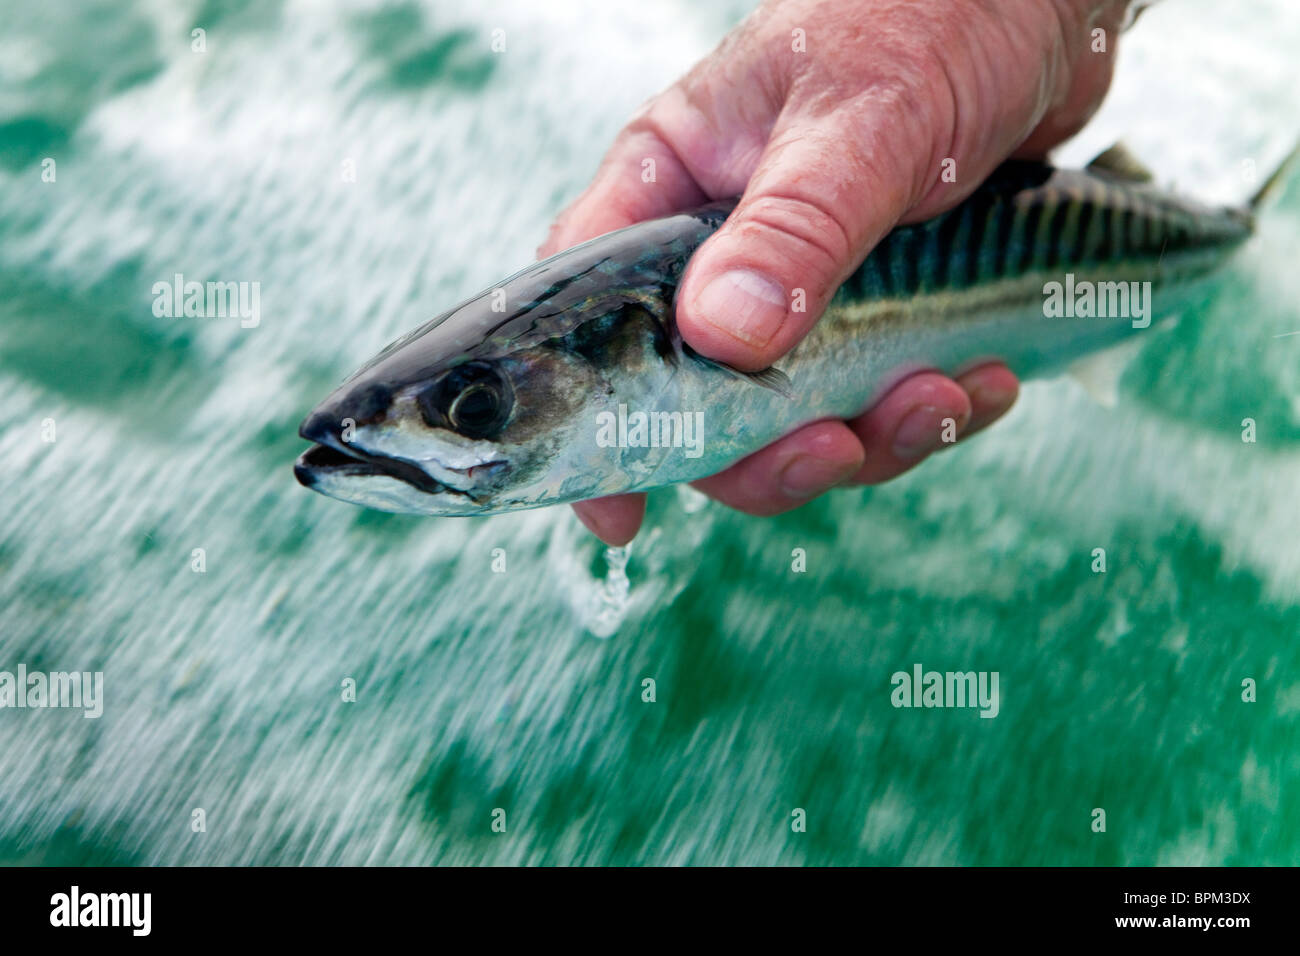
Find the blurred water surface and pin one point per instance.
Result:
(479, 690)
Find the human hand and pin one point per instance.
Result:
(832, 145)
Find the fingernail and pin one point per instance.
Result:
(806, 477)
(921, 432)
(997, 399)
(747, 305)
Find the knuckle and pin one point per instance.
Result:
(802, 230)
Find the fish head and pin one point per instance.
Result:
(477, 437)
(493, 405)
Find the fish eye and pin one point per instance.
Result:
(472, 399)
(476, 408)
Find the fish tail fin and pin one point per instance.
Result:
(1276, 177)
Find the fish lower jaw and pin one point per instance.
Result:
(469, 480)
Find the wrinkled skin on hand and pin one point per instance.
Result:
(832, 143)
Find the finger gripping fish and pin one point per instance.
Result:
(569, 380)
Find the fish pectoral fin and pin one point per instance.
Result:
(771, 378)
(1099, 374)
(1121, 164)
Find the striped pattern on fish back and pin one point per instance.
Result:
(1030, 218)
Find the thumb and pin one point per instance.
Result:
(824, 191)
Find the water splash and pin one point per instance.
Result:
(610, 601)
(691, 501)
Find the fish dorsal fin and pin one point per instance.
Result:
(1135, 10)
(1121, 164)
(1277, 176)
(1099, 373)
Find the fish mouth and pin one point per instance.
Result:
(333, 463)
(332, 457)
(321, 461)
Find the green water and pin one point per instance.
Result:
(522, 690)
